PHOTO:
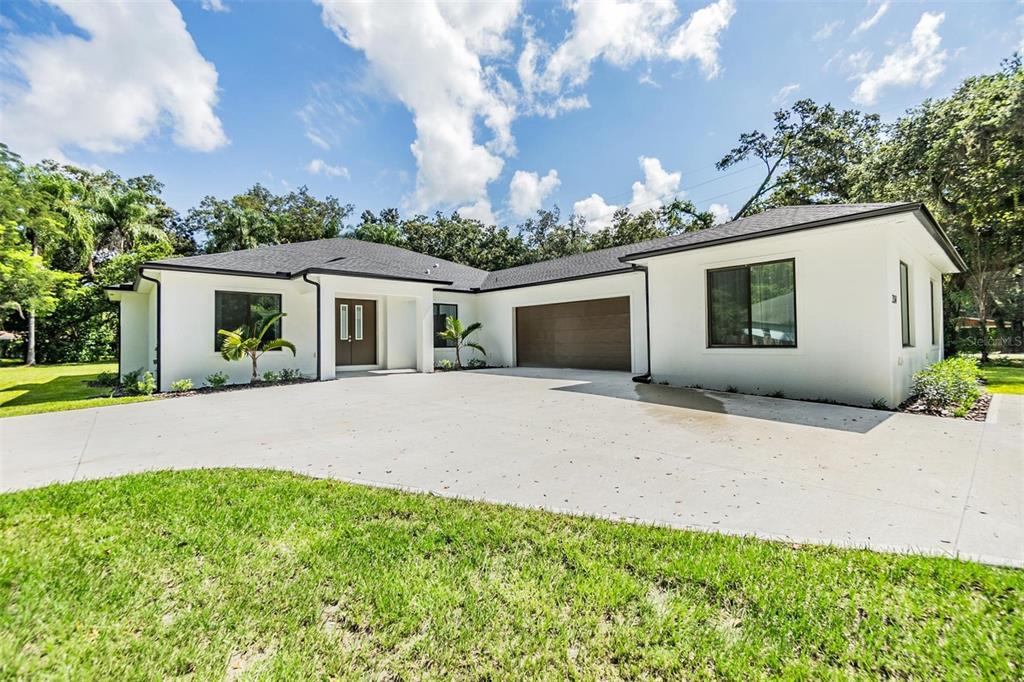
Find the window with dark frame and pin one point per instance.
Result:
(935, 318)
(905, 305)
(442, 311)
(752, 306)
(237, 309)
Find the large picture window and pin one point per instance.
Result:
(235, 309)
(442, 311)
(752, 305)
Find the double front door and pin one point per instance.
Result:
(355, 332)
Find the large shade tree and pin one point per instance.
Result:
(964, 155)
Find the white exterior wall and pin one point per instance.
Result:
(496, 310)
(137, 333)
(918, 251)
(468, 313)
(848, 333)
(189, 330)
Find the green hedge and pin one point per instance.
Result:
(950, 384)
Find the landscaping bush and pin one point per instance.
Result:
(950, 384)
(476, 363)
(106, 379)
(271, 376)
(217, 380)
(289, 374)
(445, 365)
(138, 382)
(181, 385)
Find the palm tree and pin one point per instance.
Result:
(456, 333)
(246, 342)
(78, 222)
(123, 219)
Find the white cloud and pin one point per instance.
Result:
(826, 31)
(782, 96)
(479, 210)
(698, 38)
(621, 33)
(527, 191)
(918, 62)
(137, 70)
(321, 167)
(595, 212)
(658, 185)
(721, 212)
(857, 62)
(873, 19)
(447, 63)
(214, 5)
(421, 54)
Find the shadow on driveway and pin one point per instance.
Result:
(800, 412)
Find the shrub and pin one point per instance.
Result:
(476, 363)
(271, 376)
(289, 374)
(217, 380)
(776, 394)
(107, 379)
(731, 389)
(445, 364)
(139, 382)
(952, 383)
(181, 385)
(879, 404)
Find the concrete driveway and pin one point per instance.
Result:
(583, 442)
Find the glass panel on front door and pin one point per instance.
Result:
(359, 323)
(343, 318)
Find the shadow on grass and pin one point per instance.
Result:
(66, 388)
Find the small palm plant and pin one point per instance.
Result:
(459, 335)
(246, 342)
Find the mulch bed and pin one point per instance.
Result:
(977, 412)
(118, 392)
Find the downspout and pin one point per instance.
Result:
(142, 275)
(120, 370)
(646, 377)
(305, 278)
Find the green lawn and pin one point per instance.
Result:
(49, 388)
(207, 573)
(1004, 376)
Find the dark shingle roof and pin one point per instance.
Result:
(782, 218)
(338, 256)
(368, 259)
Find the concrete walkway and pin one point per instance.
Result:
(583, 442)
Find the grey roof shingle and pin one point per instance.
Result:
(341, 256)
(770, 220)
(368, 259)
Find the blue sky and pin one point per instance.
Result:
(493, 109)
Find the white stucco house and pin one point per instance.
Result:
(839, 302)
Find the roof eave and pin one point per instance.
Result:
(282, 274)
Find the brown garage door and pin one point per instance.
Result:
(583, 334)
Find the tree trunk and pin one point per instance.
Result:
(458, 359)
(30, 343)
(255, 374)
(983, 314)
